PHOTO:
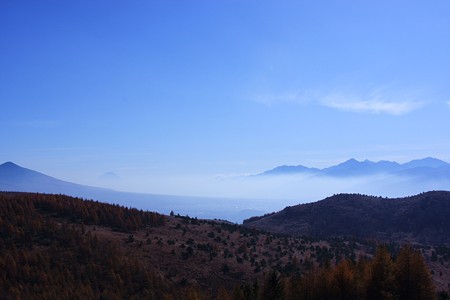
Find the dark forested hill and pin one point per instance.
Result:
(420, 218)
(60, 247)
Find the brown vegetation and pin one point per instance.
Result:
(422, 218)
(54, 246)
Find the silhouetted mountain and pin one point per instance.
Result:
(291, 170)
(18, 179)
(421, 218)
(353, 167)
(429, 167)
(425, 162)
(110, 176)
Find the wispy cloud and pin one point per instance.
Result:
(381, 100)
(375, 101)
(374, 106)
(448, 104)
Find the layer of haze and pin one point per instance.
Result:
(183, 97)
(285, 189)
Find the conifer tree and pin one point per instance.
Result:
(380, 283)
(342, 283)
(273, 287)
(412, 278)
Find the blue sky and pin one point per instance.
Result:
(164, 92)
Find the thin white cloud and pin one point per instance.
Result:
(382, 100)
(448, 104)
(375, 106)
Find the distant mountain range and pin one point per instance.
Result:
(352, 177)
(18, 179)
(422, 218)
(427, 167)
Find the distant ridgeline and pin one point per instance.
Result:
(422, 218)
(429, 167)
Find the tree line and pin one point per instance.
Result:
(46, 252)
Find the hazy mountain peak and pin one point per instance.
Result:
(290, 170)
(426, 162)
(353, 167)
(350, 162)
(11, 169)
(9, 164)
(110, 176)
(387, 162)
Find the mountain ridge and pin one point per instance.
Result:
(20, 179)
(421, 218)
(353, 167)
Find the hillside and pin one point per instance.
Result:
(55, 246)
(422, 218)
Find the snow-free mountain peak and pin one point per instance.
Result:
(351, 161)
(16, 178)
(11, 171)
(426, 162)
(110, 176)
(352, 167)
(8, 165)
(290, 170)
